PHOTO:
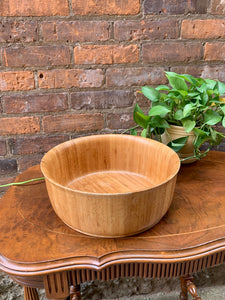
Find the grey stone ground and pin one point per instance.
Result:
(210, 284)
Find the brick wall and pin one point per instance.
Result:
(71, 67)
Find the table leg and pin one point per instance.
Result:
(187, 286)
(30, 293)
(75, 293)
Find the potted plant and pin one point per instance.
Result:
(187, 105)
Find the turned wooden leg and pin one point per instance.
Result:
(30, 294)
(187, 286)
(75, 293)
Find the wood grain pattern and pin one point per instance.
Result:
(124, 184)
(191, 236)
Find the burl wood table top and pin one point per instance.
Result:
(34, 241)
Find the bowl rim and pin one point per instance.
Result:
(111, 194)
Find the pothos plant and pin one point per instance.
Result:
(194, 103)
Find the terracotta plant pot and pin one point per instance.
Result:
(176, 132)
(110, 185)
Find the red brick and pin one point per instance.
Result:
(146, 29)
(16, 80)
(101, 99)
(17, 104)
(203, 29)
(174, 7)
(34, 8)
(172, 52)
(70, 78)
(75, 31)
(34, 144)
(214, 51)
(73, 123)
(23, 125)
(120, 120)
(106, 54)
(218, 7)
(135, 76)
(27, 161)
(36, 56)
(3, 149)
(18, 31)
(8, 165)
(105, 7)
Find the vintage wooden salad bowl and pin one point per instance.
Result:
(110, 185)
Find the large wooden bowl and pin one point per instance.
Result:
(110, 185)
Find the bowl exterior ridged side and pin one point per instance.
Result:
(113, 215)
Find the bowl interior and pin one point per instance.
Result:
(110, 164)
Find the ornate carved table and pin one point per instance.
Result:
(38, 250)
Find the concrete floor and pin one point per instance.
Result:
(207, 293)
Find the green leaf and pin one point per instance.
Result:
(176, 81)
(158, 110)
(178, 115)
(223, 109)
(151, 93)
(204, 98)
(144, 133)
(211, 117)
(223, 122)
(157, 121)
(133, 132)
(210, 84)
(189, 78)
(200, 133)
(189, 125)
(178, 144)
(140, 118)
(193, 94)
(221, 87)
(187, 109)
(162, 88)
(201, 137)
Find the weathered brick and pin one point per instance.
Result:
(215, 51)
(204, 71)
(27, 161)
(3, 149)
(101, 99)
(174, 7)
(73, 123)
(75, 31)
(120, 120)
(172, 52)
(218, 7)
(17, 104)
(146, 29)
(5, 180)
(34, 8)
(203, 29)
(70, 78)
(36, 56)
(16, 125)
(18, 31)
(16, 80)
(135, 76)
(1, 109)
(105, 7)
(34, 144)
(8, 165)
(106, 54)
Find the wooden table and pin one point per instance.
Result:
(38, 250)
